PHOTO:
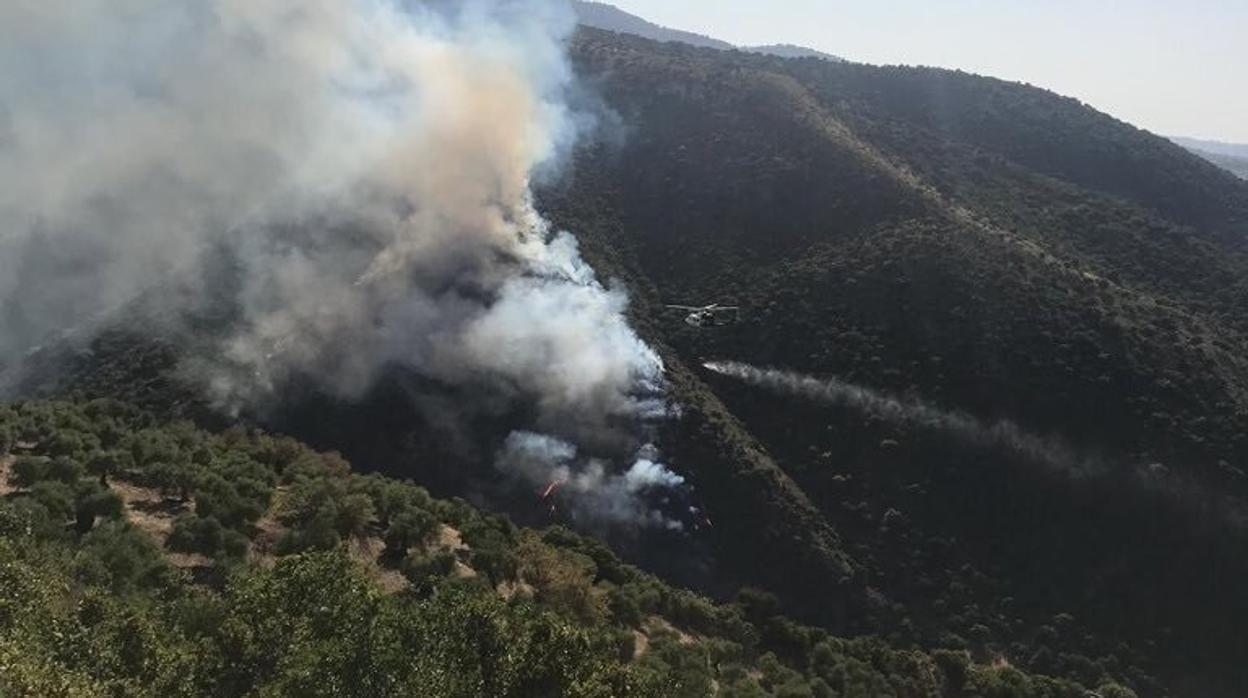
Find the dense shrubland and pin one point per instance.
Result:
(94, 602)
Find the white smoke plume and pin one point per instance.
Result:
(364, 164)
(1002, 435)
(596, 498)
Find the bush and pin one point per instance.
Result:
(92, 502)
(564, 580)
(56, 497)
(120, 557)
(314, 533)
(65, 469)
(25, 517)
(104, 464)
(28, 470)
(954, 665)
(235, 545)
(217, 497)
(195, 534)
(410, 528)
(424, 571)
(1113, 690)
(625, 606)
(354, 513)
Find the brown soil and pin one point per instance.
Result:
(6, 463)
(655, 625)
(153, 513)
(450, 539)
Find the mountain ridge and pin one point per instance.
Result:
(601, 15)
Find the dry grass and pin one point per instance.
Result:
(368, 552)
(149, 509)
(655, 625)
(267, 531)
(509, 590)
(450, 539)
(641, 644)
(6, 465)
(153, 513)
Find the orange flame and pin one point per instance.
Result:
(551, 489)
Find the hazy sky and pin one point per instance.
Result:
(1175, 67)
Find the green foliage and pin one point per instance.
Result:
(26, 471)
(193, 533)
(93, 502)
(57, 498)
(564, 580)
(321, 512)
(1113, 690)
(121, 558)
(492, 540)
(104, 464)
(425, 570)
(96, 608)
(408, 528)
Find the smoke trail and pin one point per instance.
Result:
(363, 166)
(1175, 488)
(1001, 435)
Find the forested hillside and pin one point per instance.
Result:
(953, 245)
(987, 247)
(142, 557)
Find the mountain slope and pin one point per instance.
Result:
(277, 571)
(988, 247)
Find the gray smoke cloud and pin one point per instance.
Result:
(364, 164)
(1001, 435)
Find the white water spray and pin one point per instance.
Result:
(1000, 435)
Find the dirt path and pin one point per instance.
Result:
(153, 513)
(368, 552)
(6, 465)
(149, 510)
(450, 539)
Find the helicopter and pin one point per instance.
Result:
(713, 315)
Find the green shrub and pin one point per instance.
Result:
(118, 556)
(28, 470)
(56, 497)
(425, 570)
(409, 528)
(195, 534)
(93, 502)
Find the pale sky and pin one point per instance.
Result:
(1174, 67)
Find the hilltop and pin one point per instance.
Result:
(600, 15)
